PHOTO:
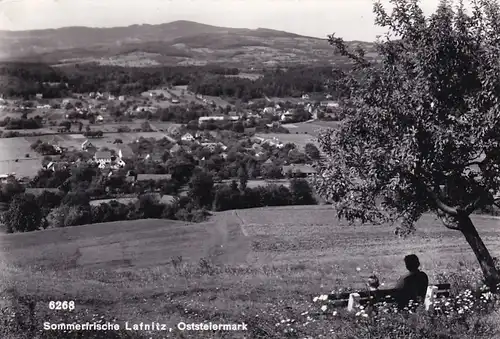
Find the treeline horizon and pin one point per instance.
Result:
(26, 79)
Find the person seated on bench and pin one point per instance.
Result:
(373, 285)
(412, 286)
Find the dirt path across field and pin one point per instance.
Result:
(231, 245)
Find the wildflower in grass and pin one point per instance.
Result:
(324, 308)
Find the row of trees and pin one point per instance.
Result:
(43, 148)
(22, 123)
(292, 82)
(27, 212)
(40, 78)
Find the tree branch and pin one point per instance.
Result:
(447, 220)
(440, 204)
(472, 206)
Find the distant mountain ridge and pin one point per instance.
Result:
(178, 42)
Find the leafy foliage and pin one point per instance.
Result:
(422, 128)
(23, 215)
(420, 120)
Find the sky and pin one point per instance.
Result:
(349, 19)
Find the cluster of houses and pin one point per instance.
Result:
(110, 97)
(285, 115)
(104, 159)
(199, 138)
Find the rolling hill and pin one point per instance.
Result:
(256, 265)
(174, 43)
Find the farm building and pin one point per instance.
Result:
(202, 120)
(287, 116)
(269, 110)
(329, 104)
(188, 137)
(88, 146)
(154, 157)
(103, 157)
(213, 145)
(298, 170)
(57, 165)
(146, 109)
(4, 178)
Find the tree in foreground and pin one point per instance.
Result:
(422, 132)
(23, 215)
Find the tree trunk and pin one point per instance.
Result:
(490, 272)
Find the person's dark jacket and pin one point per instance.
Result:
(412, 287)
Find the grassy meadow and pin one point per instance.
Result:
(261, 266)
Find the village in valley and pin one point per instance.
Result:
(123, 136)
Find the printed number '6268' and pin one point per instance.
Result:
(62, 305)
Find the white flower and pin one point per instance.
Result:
(358, 269)
(334, 313)
(323, 308)
(323, 297)
(315, 299)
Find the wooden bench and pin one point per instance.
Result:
(356, 299)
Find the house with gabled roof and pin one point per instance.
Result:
(188, 137)
(298, 170)
(88, 146)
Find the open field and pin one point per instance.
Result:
(252, 183)
(258, 263)
(113, 127)
(164, 199)
(74, 141)
(250, 76)
(17, 148)
(312, 128)
(298, 139)
(27, 167)
(12, 149)
(165, 92)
